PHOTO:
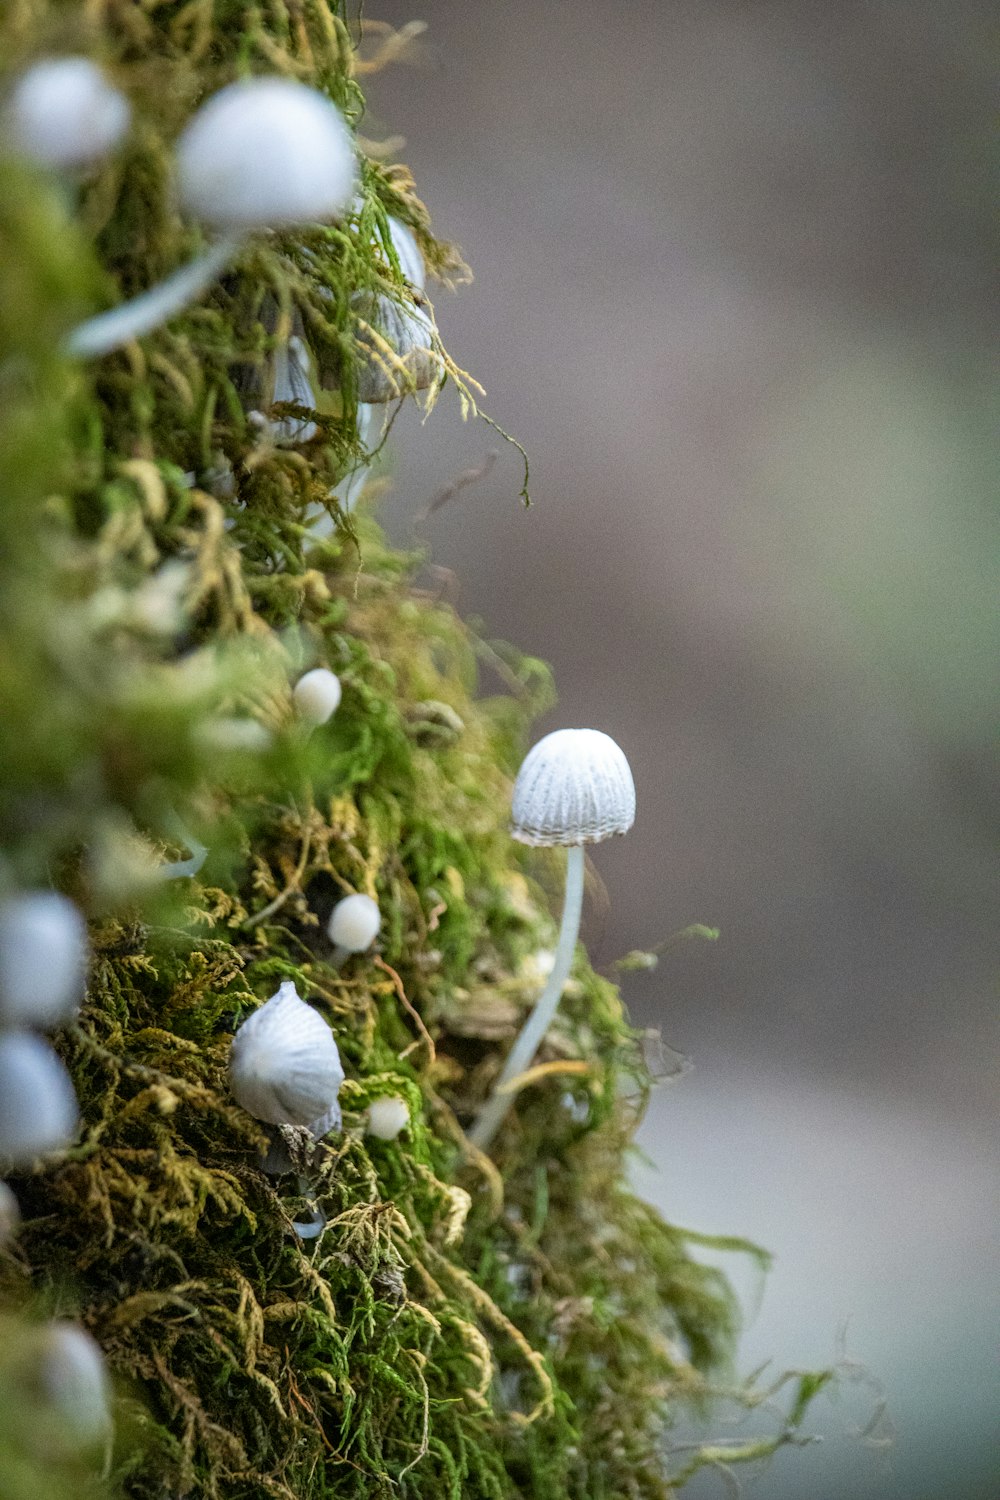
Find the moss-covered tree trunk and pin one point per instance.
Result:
(462, 1326)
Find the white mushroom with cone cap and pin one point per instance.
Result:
(574, 788)
(261, 153)
(38, 1108)
(63, 113)
(353, 926)
(316, 695)
(284, 1066)
(387, 1117)
(43, 960)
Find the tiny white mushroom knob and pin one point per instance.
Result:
(265, 152)
(574, 787)
(38, 1108)
(387, 1117)
(63, 112)
(353, 925)
(43, 960)
(316, 695)
(75, 1380)
(284, 1066)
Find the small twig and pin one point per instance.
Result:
(407, 1005)
(282, 896)
(459, 483)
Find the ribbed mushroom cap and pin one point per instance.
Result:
(284, 1066)
(574, 787)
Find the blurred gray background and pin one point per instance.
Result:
(736, 294)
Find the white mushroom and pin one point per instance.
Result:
(353, 926)
(265, 152)
(316, 695)
(292, 383)
(43, 960)
(574, 788)
(63, 113)
(75, 1380)
(284, 1066)
(396, 341)
(396, 349)
(10, 1215)
(387, 1117)
(260, 153)
(38, 1108)
(411, 261)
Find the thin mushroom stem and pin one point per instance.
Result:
(130, 320)
(177, 869)
(495, 1109)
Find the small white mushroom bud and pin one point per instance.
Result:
(64, 113)
(10, 1215)
(75, 1380)
(316, 695)
(43, 960)
(353, 926)
(574, 788)
(259, 154)
(38, 1108)
(265, 152)
(284, 1066)
(387, 1117)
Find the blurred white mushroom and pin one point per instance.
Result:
(38, 1108)
(387, 1117)
(74, 1378)
(265, 152)
(10, 1215)
(316, 695)
(63, 112)
(353, 926)
(43, 960)
(259, 154)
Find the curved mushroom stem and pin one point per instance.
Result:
(525, 1046)
(177, 869)
(109, 330)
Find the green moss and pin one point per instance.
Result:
(461, 1327)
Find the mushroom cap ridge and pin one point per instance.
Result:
(574, 787)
